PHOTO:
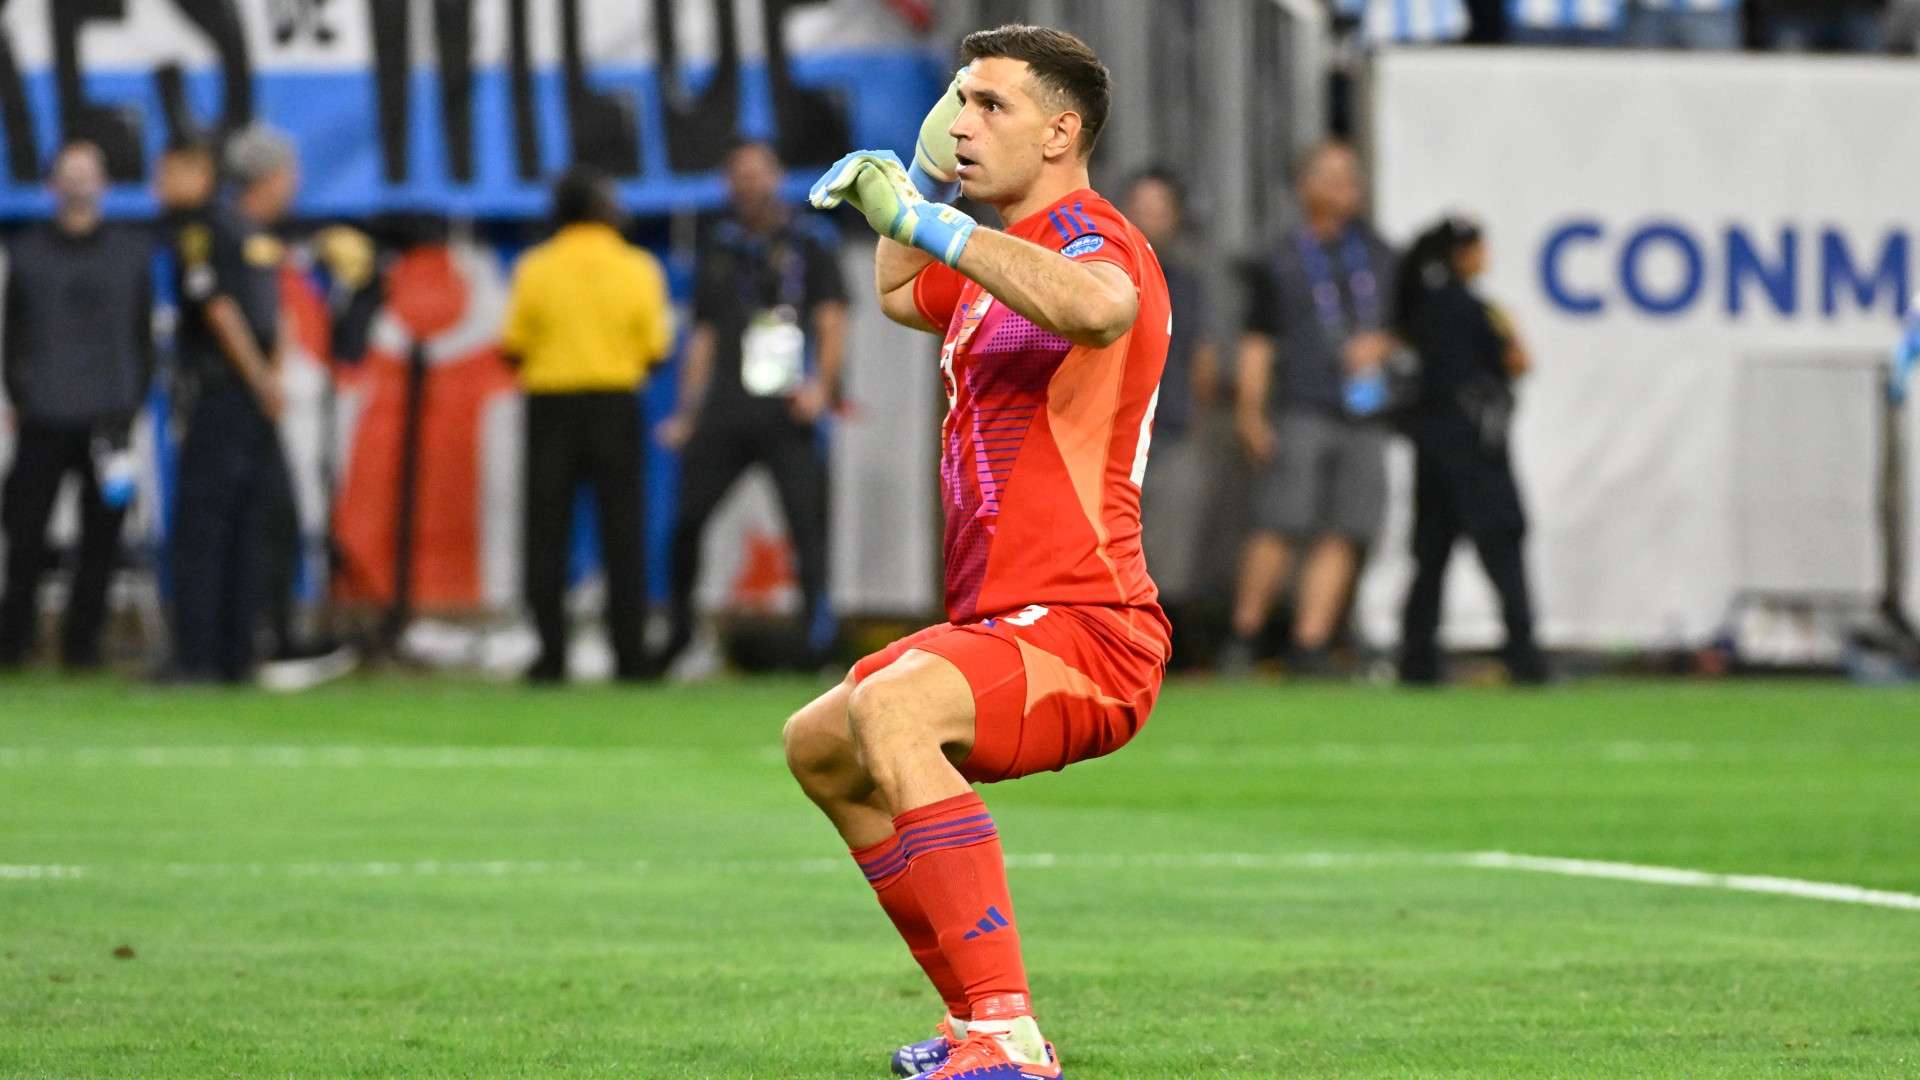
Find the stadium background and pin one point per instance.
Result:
(1719, 243)
(1712, 255)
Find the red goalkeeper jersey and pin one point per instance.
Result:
(1045, 442)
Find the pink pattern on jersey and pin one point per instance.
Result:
(1005, 377)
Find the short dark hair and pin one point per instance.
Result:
(187, 143)
(738, 144)
(584, 194)
(1062, 63)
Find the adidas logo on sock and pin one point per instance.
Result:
(988, 925)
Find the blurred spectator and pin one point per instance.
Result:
(762, 372)
(78, 357)
(1489, 21)
(232, 472)
(1903, 27)
(1565, 22)
(1463, 480)
(1824, 25)
(1685, 24)
(588, 320)
(1317, 306)
(1173, 497)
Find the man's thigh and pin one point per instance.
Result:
(1050, 686)
(1359, 484)
(1291, 495)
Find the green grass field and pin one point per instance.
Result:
(448, 879)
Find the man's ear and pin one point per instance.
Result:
(1063, 136)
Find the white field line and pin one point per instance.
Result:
(1698, 879)
(1306, 860)
(296, 756)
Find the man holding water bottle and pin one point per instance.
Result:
(78, 354)
(1313, 355)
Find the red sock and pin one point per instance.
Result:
(953, 858)
(886, 871)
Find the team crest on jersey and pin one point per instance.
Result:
(1085, 245)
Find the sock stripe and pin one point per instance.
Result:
(907, 834)
(882, 873)
(882, 860)
(919, 842)
(892, 850)
(968, 840)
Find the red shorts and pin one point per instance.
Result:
(1051, 685)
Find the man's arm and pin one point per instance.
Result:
(1086, 303)
(696, 372)
(830, 336)
(230, 329)
(1255, 374)
(1204, 378)
(895, 267)
(14, 336)
(1092, 303)
(818, 394)
(143, 328)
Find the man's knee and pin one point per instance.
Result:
(819, 746)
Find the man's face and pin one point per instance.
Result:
(1330, 186)
(1154, 210)
(184, 179)
(753, 178)
(277, 190)
(1001, 135)
(79, 178)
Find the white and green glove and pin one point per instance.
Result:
(875, 183)
(935, 171)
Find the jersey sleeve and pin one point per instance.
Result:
(1094, 232)
(936, 292)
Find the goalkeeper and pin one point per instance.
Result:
(1055, 336)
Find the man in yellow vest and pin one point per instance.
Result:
(588, 319)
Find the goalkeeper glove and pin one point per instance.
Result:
(935, 171)
(874, 183)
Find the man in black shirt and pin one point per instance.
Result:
(78, 357)
(1316, 330)
(762, 370)
(227, 262)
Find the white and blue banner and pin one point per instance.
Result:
(463, 107)
(1708, 258)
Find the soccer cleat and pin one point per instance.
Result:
(928, 1055)
(981, 1056)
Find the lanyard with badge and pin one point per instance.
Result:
(1363, 288)
(773, 347)
(1366, 392)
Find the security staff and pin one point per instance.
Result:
(78, 357)
(227, 260)
(763, 368)
(588, 320)
(1464, 485)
